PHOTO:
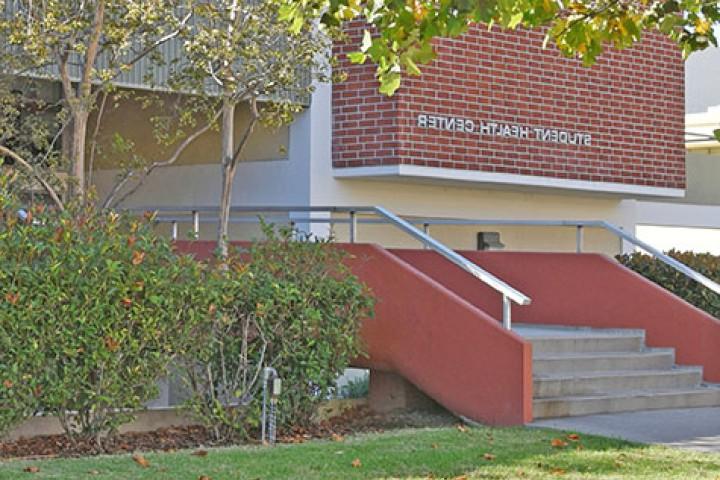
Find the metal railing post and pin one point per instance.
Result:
(174, 226)
(426, 229)
(196, 224)
(353, 226)
(579, 238)
(507, 321)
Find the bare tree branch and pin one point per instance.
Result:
(248, 131)
(110, 199)
(27, 166)
(92, 51)
(65, 77)
(160, 41)
(94, 138)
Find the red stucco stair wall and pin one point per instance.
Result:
(440, 328)
(450, 349)
(584, 290)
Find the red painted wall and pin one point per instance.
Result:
(588, 290)
(631, 102)
(451, 350)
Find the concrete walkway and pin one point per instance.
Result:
(694, 428)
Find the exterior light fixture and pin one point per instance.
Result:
(489, 241)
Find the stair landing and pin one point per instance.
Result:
(585, 371)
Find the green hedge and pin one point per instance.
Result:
(93, 308)
(290, 303)
(676, 282)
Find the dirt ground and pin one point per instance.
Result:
(356, 420)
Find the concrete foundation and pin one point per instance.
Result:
(145, 421)
(391, 392)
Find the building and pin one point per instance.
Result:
(499, 144)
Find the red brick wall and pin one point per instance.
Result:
(631, 103)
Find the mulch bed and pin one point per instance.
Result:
(357, 420)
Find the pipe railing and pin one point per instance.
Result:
(422, 234)
(176, 215)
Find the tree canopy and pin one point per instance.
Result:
(400, 32)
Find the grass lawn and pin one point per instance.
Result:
(450, 452)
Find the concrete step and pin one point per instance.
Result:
(648, 359)
(556, 340)
(593, 383)
(706, 395)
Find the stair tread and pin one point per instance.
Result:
(576, 355)
(676, 370)
(552, 332)
(703, 388)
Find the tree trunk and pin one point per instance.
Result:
(79, 134)
(228, 173)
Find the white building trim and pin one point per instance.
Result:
(451, 174)
(677, 214)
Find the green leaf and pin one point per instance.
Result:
(389, 83)
(357, 57)
(515, 20)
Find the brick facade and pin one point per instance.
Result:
(631, 104)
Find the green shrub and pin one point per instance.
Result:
(292, 305)
(676, 282)
(93, 307)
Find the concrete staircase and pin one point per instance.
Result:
(583, 371)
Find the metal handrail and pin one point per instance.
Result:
(579, 225)
(509, 294)
(408, 225)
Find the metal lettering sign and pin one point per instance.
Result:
(507, 130)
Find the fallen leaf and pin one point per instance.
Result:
(7, 383)
(574, 437)
(204, 477)
(461, 477)
(461, 428)
(489, 456)
(337, 438)
(200, 453)
(12, 298)
(111, 344)
(138, 257)
(140, 460)
(93, 472)
(434, 445)
(31, 469)
(356, 463)
(558, 443)
(557, 471)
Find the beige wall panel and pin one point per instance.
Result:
(133, 122)
(703, 178)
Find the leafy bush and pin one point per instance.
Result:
(93, 307)
(288, 304)
(676, 282)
